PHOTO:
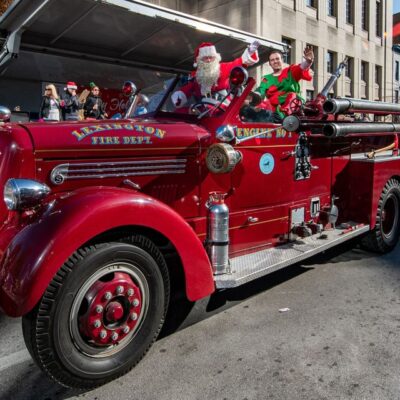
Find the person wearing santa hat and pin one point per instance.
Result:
(70, 104)
(211, 75)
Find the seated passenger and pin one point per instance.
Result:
(211, 77)
(282, 86)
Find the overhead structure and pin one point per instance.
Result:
(119, 32)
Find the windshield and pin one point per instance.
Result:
(158, 96)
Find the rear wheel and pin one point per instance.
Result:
(100, 314)
(384, 237)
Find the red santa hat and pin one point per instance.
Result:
(206, 49)
(72, 85)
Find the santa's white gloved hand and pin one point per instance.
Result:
(253, 46)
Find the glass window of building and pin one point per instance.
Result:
(378, 18)
(377, 74)
(329, 62)
(310, 3)
(396, 70)
(287, 56)
(396, 96)
(349, 12)
(309, 95)
(331, 8)
(349, 68)
(364, 14)
(349, 81)
(364, 71)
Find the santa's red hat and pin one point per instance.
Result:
(72, 85)
(206, 49)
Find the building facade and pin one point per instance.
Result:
(335, 28)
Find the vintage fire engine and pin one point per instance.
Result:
(101, 220)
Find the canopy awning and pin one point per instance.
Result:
(120, 32)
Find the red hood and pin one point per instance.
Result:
(102, 138)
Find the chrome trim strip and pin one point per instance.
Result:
(69, 171)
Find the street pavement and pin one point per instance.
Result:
(325, 329)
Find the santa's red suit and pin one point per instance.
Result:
(197, 90)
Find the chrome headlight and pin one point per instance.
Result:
(21, 194)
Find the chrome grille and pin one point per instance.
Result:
(102, 170)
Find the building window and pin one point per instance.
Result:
(309, 95)
(348, 90)
(310, 3)
(364, 71)
(377, 74)
(331, 8)
(378, 18)
(329, 62)
(364, 14)
(396, 96)
(314, 66)
(396, 70)
(349, 68)
(287, 56)
(349, 12)
(378, 83)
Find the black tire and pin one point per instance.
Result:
(385, 235)
(60, 333)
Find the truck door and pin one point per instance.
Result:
(266, 186)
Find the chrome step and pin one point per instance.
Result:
(252, 266)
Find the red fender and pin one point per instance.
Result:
(38, 251)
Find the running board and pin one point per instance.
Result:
(252, 266)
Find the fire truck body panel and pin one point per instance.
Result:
(36, 252)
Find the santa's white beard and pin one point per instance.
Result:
(207, 75)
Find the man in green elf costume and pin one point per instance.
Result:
(282, 86)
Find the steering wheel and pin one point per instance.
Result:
(206, 104)
(296, 105)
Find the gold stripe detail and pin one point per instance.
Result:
(123, 149)
(251, 224)
(266, 147)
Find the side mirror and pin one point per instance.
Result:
(129, 89)
(225, 133)
(5, 114)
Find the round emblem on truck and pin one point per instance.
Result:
(267, 163)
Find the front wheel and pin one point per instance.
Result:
(100, 314)
(384, 237)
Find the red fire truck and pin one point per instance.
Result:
(102, 221)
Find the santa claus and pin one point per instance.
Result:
(211, 77)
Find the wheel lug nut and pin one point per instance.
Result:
(114, 336)
(135, 302)
(107, 295)
(133, 316)
(103, 334)
(99, 309)
(120, 289)
(97, 323)
(126, 329)
(130, 292)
